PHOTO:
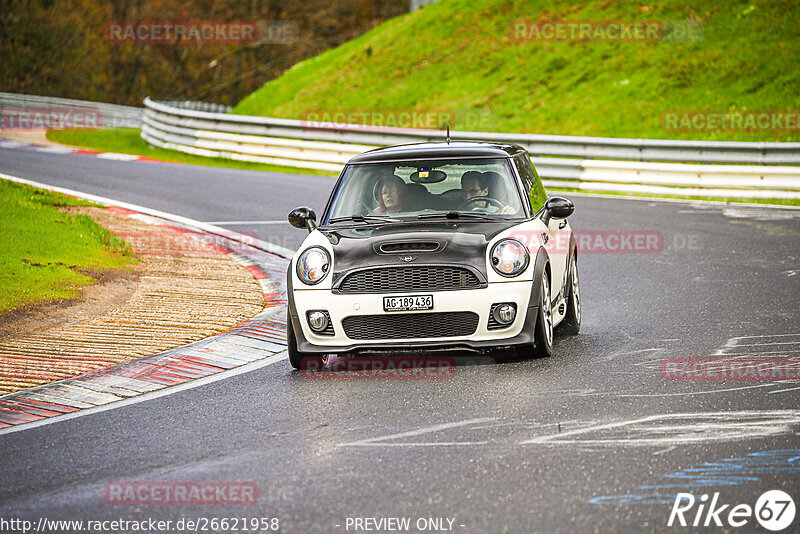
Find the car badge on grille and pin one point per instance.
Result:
(407, 259)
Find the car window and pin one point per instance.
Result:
(533, 185)
(407, 190)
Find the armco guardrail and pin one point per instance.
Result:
(325, 146)
(111, 115)
(541, 145)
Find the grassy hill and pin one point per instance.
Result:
(464, 58)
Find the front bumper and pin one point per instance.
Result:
(478, 301)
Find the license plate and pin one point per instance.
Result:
(407, 303)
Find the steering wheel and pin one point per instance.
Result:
(493, 201)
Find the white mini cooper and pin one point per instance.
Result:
(433, 246)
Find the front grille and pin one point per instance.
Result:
(417, 278)
(410, 325)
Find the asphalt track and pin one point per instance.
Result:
(593, 439)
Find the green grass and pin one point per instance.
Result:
(46, 254)
(461, 57)
(128, 141)
(729, 200)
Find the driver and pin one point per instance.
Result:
(475, 184)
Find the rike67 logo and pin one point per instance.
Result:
(774, 511)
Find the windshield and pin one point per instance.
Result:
(454, 188)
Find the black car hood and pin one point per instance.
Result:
(459, 243)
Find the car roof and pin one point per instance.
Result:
(443, 150)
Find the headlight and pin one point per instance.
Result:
(313, 265)
(509, 257)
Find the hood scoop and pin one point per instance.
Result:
(404, 247)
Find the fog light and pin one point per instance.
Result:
(318, 320)
(505, 313)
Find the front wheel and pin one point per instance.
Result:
(301, 360)
(543, 331)
(572, 321)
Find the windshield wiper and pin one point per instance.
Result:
(363, 219)
(455, 215)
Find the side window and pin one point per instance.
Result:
(533, 184)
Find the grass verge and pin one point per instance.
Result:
(47, 254)
(729, 200)
(128, 141)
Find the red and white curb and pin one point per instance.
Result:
(62, 149)
(252, 344)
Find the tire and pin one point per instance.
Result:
(543, 331)
(571, 324)
(301, 360)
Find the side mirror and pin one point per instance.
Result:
(557, 208)
(303, 218)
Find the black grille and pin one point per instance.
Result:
(410, 325)
(412, 246)
(439, 278)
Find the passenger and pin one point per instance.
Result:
(392, 195)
